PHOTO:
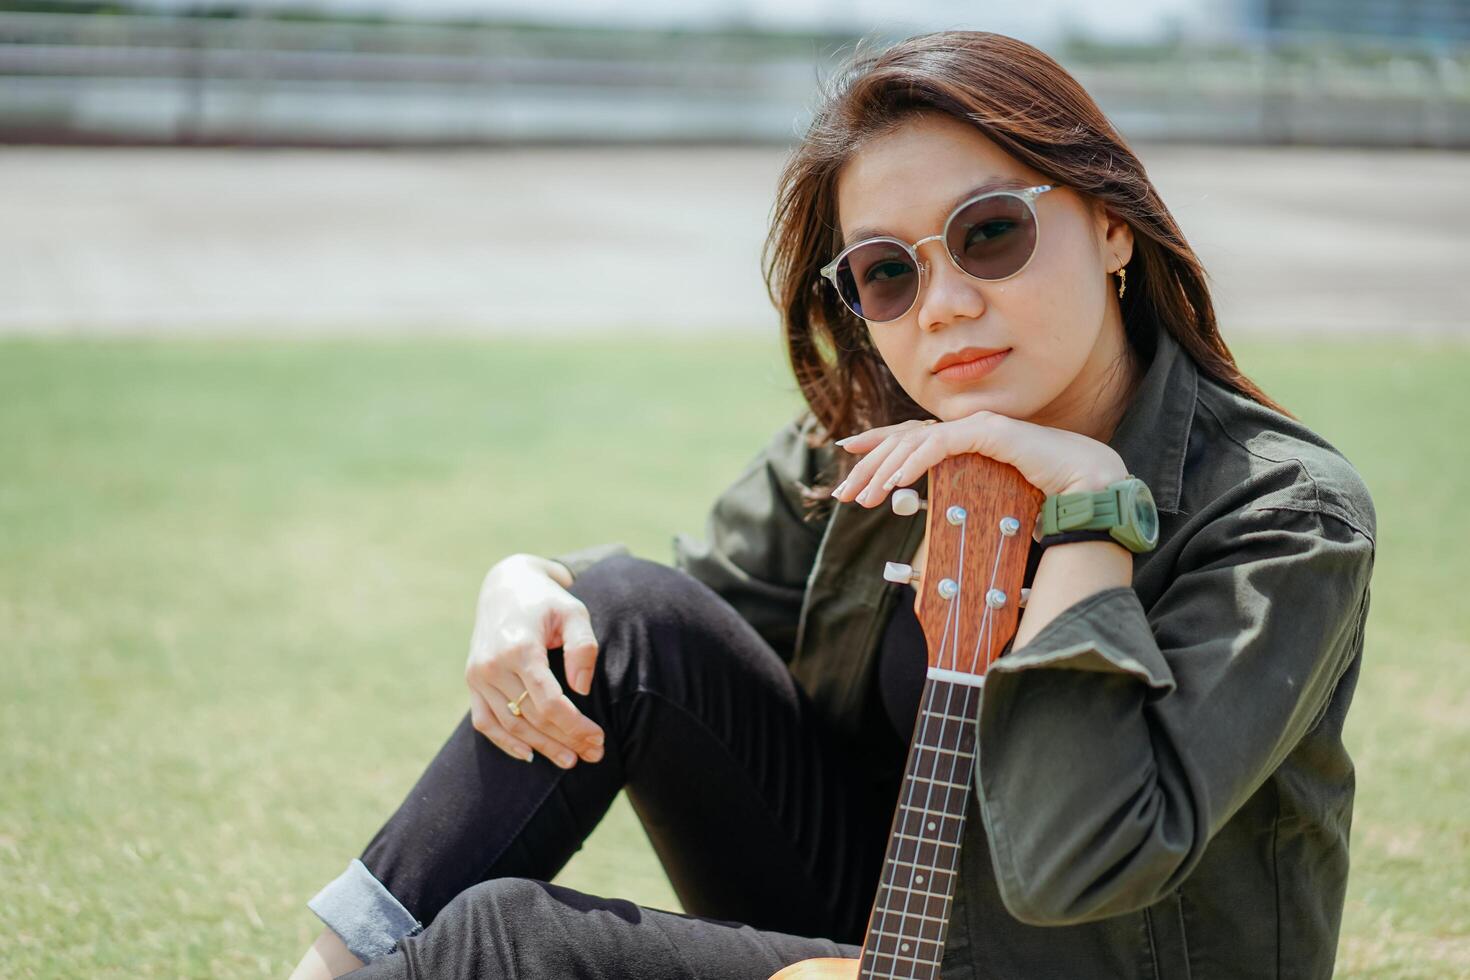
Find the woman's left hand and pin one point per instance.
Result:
(1052, 460)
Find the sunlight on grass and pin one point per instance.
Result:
(236, 587)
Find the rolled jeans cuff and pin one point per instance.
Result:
(369, 920)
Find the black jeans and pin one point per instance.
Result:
(771, 830)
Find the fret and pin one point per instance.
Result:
(943, 719)
(933, 800)
(931, 713)
(939, 782)
(921, 867)
(907, 914)
(909, 938)
(909, 947)
(967, 753)
(926, 961)
(921, 851)
(926, 840)
(937, 807)
(947, 825)
(952, 681)
(933, 902)
(949, 704)
(918, 797)
(940, 916)
(900, 836)
(910, 893)
(928, 758)
(912, 884)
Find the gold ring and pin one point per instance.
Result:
(515, 706)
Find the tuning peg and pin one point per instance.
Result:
(897, 571)
(906, 502)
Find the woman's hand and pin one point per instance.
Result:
(1052, 460)
(522, 612)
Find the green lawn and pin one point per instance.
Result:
(229, 570)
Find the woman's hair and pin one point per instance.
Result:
(1028, 105)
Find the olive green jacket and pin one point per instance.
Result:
(1161, 788)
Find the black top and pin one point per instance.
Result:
(902, 662)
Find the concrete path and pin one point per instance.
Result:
(108, 241)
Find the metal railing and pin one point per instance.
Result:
(268, 79)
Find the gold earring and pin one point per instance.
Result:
(1122, 280)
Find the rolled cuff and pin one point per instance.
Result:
(1107, 632)
(367, 917)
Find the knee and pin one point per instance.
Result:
(646, 616)
(623, 587)
(477, 919)
(494, 896)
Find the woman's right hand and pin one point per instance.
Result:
(523, 611)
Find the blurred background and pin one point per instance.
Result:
(311, 311)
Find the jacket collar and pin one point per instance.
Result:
(1153, 435)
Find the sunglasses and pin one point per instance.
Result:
(989, 237)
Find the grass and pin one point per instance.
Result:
(236, 586)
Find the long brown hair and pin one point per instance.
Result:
(1026, 103)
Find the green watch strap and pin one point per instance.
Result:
(1080, 510)
(1125, 510)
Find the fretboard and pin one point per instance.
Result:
(911, 909)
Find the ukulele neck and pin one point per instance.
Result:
(910, 916)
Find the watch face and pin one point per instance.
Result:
(1145, 514)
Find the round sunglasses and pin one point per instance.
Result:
(988, 237)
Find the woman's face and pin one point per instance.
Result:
(1057, 320)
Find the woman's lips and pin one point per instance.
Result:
(971, 370)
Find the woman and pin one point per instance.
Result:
(1161, 787)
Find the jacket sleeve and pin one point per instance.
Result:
(758, 546)
(1117, 741)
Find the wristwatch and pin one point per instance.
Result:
(1123, 512)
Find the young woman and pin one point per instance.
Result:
(968, 259)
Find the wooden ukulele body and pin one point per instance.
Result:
(822, 968)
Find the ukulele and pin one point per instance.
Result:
(978, 532)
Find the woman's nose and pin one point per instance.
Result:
(948, 294)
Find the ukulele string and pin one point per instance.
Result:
(987, 623)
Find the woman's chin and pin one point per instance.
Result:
(957, 405)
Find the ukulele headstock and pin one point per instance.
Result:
(980, 515)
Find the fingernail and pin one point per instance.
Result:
(596, 739)
(844, 441)
(566, 760)
(529, 756)
(892, 481)
(594, 753)
(584, 681)
(837, 490)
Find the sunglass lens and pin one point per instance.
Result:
(994, 237)
(878, 281)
